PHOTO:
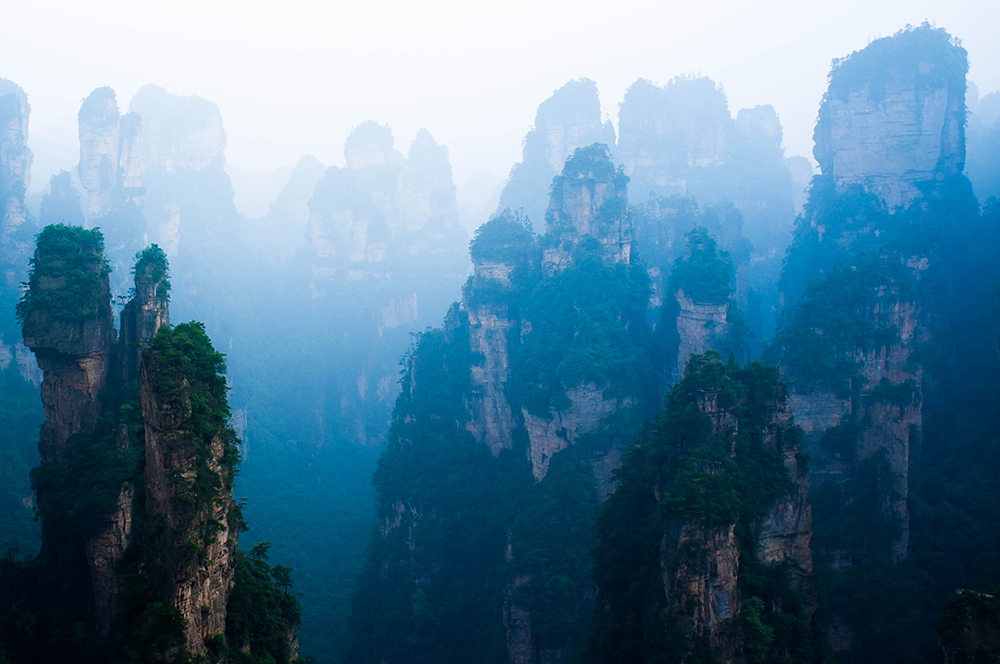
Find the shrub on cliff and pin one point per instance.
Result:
(66, 275)
(704, 275)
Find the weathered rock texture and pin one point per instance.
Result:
(110, 151)
(105, 550)
(886, 411)
(893, 119)
(144, 315)
(15, 238)
(698, 324)
(193, 556)
(376, 229)
(701, 564)
(569, 119)
(73, 354)
(589, 201)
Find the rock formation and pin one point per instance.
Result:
(15, 163)
(893, 119)
(110, 151)
(188, 203)
(701, 543)
(188, 476)
(141, 319)
(67, 323)
(588, 201)
(517, 387)
(569, 119)
(15, 228)
(890, 134)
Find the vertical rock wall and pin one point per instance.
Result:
(110, 149)
(192, 555)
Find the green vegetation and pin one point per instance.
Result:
(550, 544)
(185, 367)
(905, 52)
(832, 323)
(705, 275)
(66, 275)
(588, 325)
(507, 238)
(684, 471)
(262, 611)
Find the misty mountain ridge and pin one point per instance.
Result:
(663, 394)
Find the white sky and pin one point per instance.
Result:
(293, 77)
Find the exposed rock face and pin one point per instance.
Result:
(700, 564)
(887, 413)
(179, 133)
(894, 116)
(569, 119)
(589, 200)
(697, 325)
(701, 584)
(110, 150)
(73, 354)
(173, 467)
(491, 418)
(549, 435)
(105, 550)
(188, 204)
(145, 314)
(15, 175)
(666, 131)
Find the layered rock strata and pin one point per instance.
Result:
(110, 151)
(893, 119)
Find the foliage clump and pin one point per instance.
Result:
(151, 263)
(508, 238)
(899, 55)
(705, 274)
(66, 276)
(684, 470)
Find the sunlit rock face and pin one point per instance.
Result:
(569, 119)
(893, 118)
(110, 151)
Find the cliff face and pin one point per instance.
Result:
(699, 557)
(894, 116)
(527, 394)
(589, 201)
(890, 135)
(188, 200)
(15, 236)
(188, 478)
(877, 419)
(110, 151)
(69, 328)
(697, 327)
(569, 119)
(141, 319)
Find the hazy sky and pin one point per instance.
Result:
(293, 77)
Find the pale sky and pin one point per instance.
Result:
(294, 77)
